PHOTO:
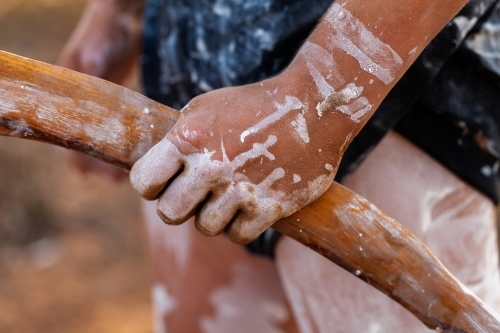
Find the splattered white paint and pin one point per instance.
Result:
(351, 36)
(291, 103)
(296, 178)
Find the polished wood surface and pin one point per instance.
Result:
(58, 106)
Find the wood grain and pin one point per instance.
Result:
(58, 106)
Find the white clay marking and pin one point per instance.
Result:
(324, 88)
(320, 60)
(356, 109)
(341, 101)
(351, 36)
(296, 178)
(291, 103)
(300, 126)
(257, 150)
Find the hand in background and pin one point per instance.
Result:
(105, 44)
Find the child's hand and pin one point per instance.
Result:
(241, 158)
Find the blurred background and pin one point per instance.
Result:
(73, 248)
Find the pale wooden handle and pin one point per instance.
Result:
(51, 104)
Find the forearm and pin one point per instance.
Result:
(356, 55)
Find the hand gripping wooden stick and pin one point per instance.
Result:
(55, 105)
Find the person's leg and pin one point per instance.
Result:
(211, 285)
(454, 220)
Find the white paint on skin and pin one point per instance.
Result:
(296, 178)
(291, 103)
(320, 60)
(189, 134)
(271, 205)
(256, 151)
(348, 137)
(163, 304)
(269, 312)
(351, 36)
(322, 72)
(324, 88)
(300, 126)
(357, 109)
(178, 241)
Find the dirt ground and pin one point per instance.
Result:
(73, 249)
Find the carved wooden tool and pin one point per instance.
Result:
(51, 104)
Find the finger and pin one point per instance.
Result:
(246, 228)
(181, 198)
(152, 171)
(217, 213)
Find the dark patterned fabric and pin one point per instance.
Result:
(448, 102)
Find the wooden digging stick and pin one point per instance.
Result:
(55, 105)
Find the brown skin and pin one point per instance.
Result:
(406, 28)
(105, 44)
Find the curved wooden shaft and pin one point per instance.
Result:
(58, 106)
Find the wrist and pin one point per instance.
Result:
(331, 129)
